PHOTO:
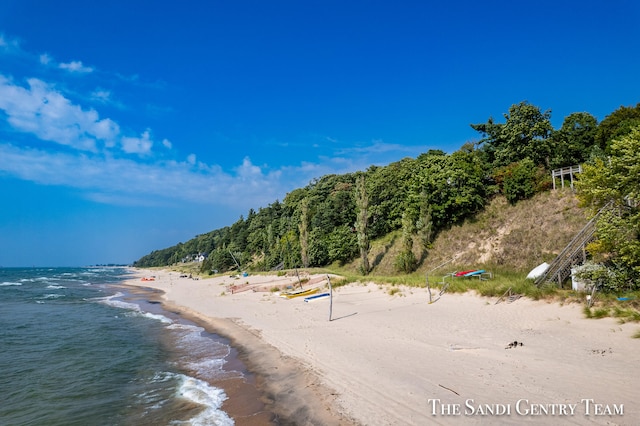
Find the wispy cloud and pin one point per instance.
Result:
(75, 66)
(379, 147)
(100, 95)
(8, 44)
(127, 181)
(71, 144)
(108, 165)
(45, 59)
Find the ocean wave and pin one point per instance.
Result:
(55, 286)
(161, 377)
(131, 307)
(211, 398)
(200, 354)
(189, 330)
(155, 398)
(210, 368)
(53, 296)
(8, 283)
(157, 317)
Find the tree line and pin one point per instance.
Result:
(334, 217)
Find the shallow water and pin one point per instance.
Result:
(78, 349)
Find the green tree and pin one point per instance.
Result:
(406, 260)
(525, 133)
(454, 186)
(332, 203)
(618, 123)
(303, 228)
(424, 223)
(342, 244)
(318, 251)
(362, 222)
(520, 180)
(616, 184)
(387, 187)
(575, 141)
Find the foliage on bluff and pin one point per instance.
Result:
(335, 217)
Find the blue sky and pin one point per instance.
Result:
(129, 126)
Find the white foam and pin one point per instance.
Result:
(52, 296)
(132, 307)
(208, 368)
(94, 270)
(189, 329)
(211, 398)
(55, 286)
(161, 377)
(201, 354)
(8, 283)
(160, 318)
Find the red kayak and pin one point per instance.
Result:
(463, 273)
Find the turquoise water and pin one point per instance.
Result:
(76, 349)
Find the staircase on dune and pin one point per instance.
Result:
(573, 254)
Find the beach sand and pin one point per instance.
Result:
(399, 360)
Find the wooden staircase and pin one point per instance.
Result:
(573, 254)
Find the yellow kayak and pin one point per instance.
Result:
(299, 293)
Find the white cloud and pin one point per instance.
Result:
(140, 146)
(101, 95)
(191, 159)
(75, 66)
(8, 44)
(248, 171)
(45, 59)
(127, 181)
(46, 113)
(167, 143)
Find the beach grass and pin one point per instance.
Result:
(497, 283)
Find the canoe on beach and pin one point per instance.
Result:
(464, 273)
(299, 293)
(316, 297)
(473, 273)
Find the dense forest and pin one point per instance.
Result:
(335, 217)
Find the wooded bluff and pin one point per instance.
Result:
(345, 218)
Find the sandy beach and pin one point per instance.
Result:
(399, 360)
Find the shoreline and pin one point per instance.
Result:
(292, 394)
(400, 360)
(283, 392)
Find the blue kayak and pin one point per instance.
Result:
(316, 297)
(471, 274)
